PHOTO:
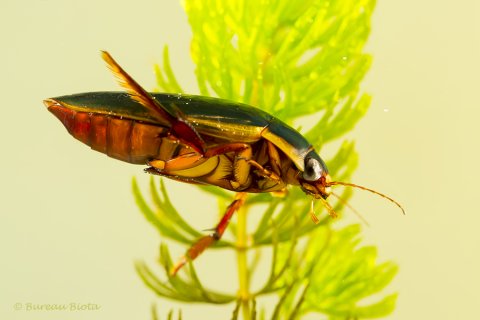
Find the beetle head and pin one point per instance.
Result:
(314, 180)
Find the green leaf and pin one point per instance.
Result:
(291, 58)
(382, 308)
(162, 225)
(167, 206)
(345, 275)
(182, 287)
(236, 310)
(167, 83)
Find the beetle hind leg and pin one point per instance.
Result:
(180, 129)
(204, 242)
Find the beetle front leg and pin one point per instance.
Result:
(264, 172)
(206, 241)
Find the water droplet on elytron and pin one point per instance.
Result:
(386, 110)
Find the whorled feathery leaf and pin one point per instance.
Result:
(291, 58)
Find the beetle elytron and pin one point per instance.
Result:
(196, 140)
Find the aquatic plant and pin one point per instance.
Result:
(291, 58)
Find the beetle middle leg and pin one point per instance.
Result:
(204, 242)
(273, 159)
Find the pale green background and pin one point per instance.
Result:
(70, 231)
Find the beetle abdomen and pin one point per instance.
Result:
(120, 138)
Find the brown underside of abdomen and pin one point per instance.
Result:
(123, 139)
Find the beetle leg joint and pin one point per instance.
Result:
(216, 235)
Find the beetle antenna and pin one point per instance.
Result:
(333, 183)
(345, 203)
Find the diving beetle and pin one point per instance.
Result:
(198, 140)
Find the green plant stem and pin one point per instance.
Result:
(243, 277)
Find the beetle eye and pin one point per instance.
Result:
(313, 171)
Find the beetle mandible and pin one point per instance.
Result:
(198, 140)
